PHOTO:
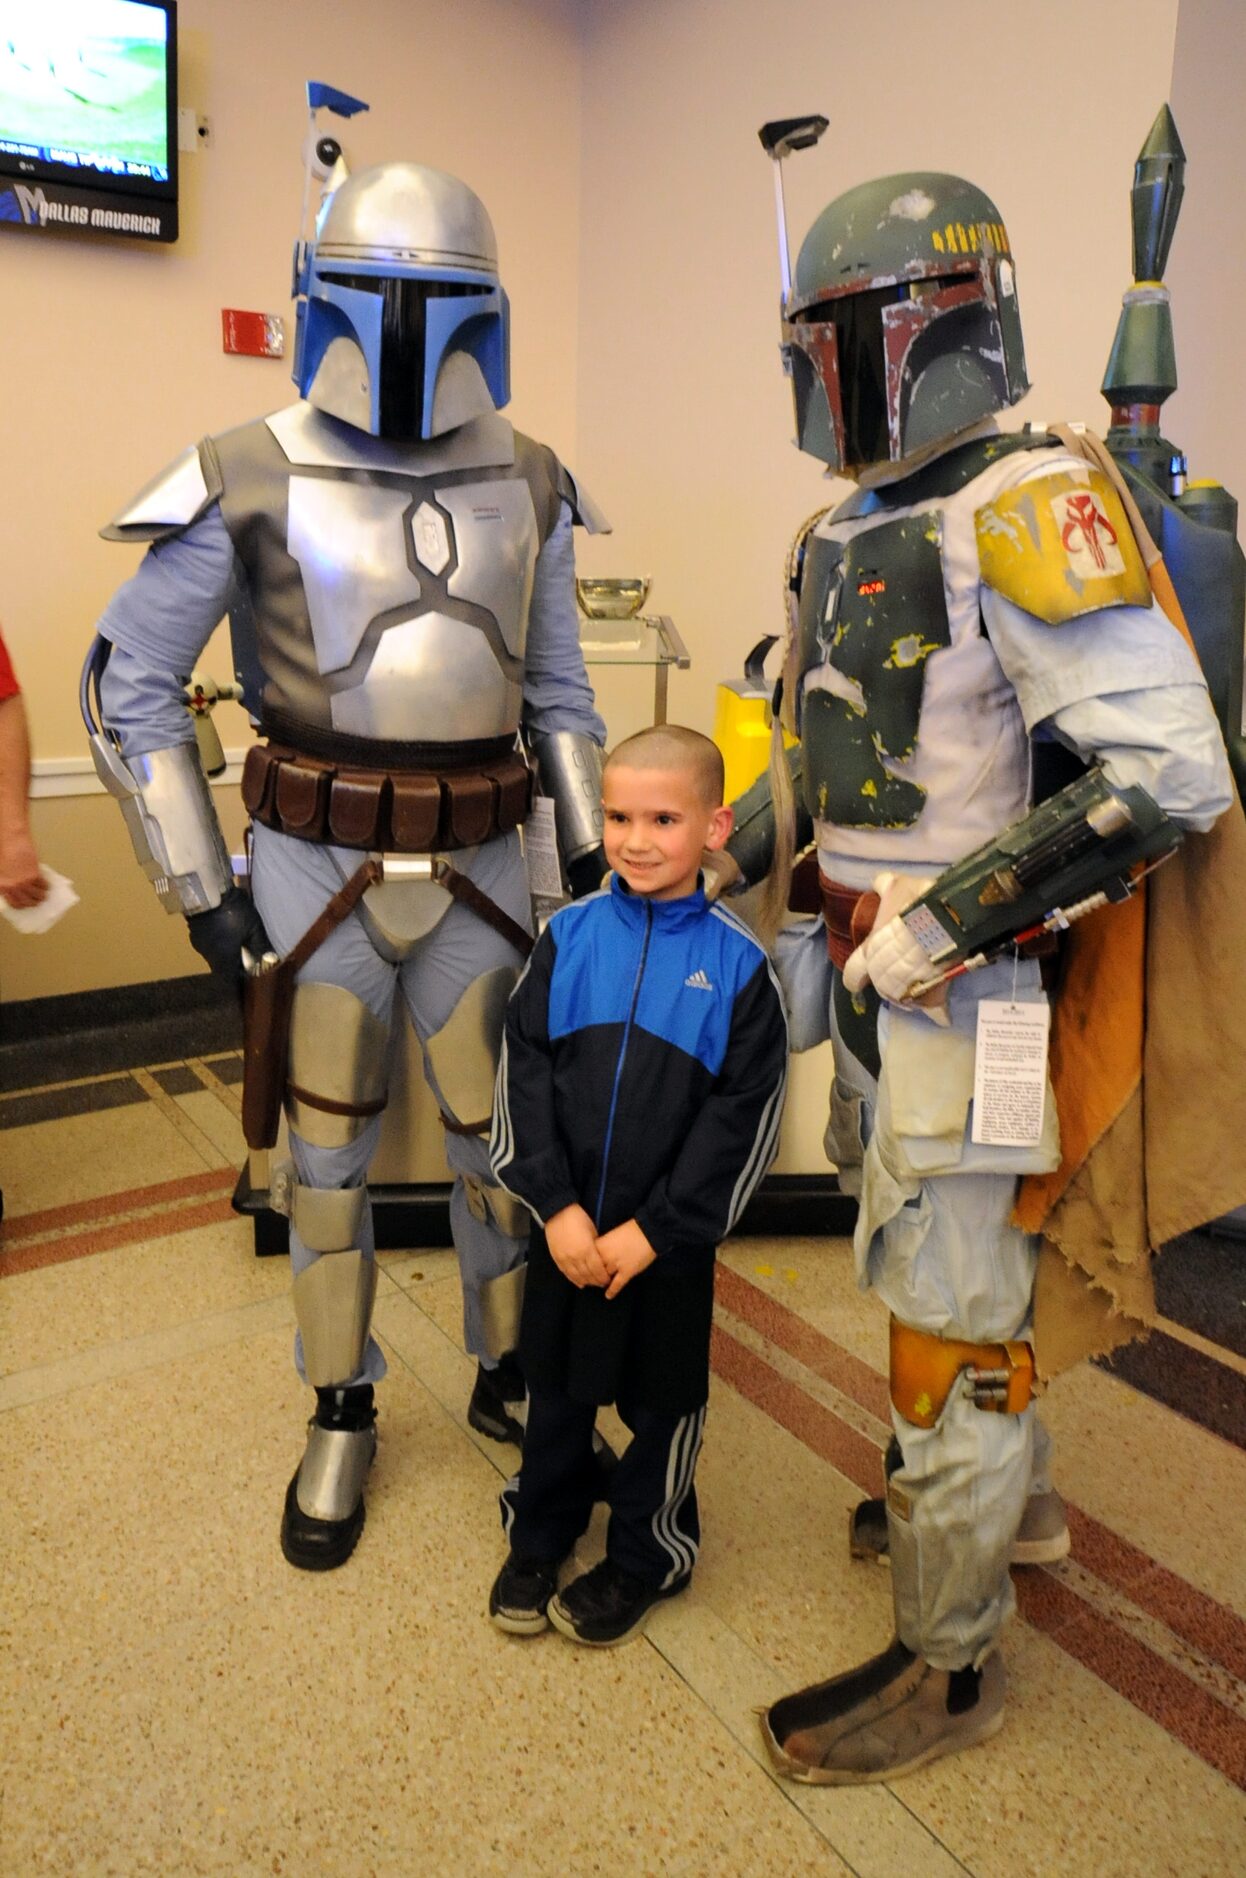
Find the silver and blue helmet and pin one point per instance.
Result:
(403, 326)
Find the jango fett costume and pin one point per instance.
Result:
(397, 565)
(974, 649)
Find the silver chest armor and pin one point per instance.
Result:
(391, 583)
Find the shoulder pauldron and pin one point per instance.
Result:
(1061, 545)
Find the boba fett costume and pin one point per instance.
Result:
(397, 565)
(977, 608)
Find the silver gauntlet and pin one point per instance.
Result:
(570, 766)
(168, 810)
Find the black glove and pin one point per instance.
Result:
(586, 873)
(220, 934)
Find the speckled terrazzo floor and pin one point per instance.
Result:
(178, 1701)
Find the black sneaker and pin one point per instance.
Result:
(521, 1592)
(607, 1605)
(499, 1401)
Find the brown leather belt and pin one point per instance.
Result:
(848, 915)
(394, 811)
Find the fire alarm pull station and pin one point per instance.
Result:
(257, 335)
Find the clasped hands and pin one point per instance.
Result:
(608, 1260)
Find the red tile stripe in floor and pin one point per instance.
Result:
(1127, 1665)
(851, 1452)
(798, 1337)
(113, 1220)
(112, 1205)
(1189, 1713)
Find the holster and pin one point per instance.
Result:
(267, 1002)
(848, 914)
(267, 1005)
(924, 1369)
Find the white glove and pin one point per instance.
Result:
(890, 959)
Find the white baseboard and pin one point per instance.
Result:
(75, 775)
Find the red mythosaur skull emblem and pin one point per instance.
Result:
(1086, 522)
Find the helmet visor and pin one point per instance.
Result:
(870, 332)
(404, 348)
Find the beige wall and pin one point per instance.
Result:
(615, 144)
(1207, 271)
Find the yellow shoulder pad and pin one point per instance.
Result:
(1060, 545)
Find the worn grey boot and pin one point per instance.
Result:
(883, 1719)
(1042, 1537)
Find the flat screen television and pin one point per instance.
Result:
(88, 117)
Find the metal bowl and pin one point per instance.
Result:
(611, 599)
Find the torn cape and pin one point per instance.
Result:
(1148, 1061)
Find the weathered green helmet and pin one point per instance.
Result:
(902, 324)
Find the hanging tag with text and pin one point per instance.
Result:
(540, 846)
(1010, 1073)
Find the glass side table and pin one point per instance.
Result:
(644, 639)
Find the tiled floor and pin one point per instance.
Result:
(178, 1701)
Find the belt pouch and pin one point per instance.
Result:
(514, 786)
(416, 811)
(302, 798)
(357, 802)
(472, 814)
(259, 776)
(267, 1003)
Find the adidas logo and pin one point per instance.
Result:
(699, 982)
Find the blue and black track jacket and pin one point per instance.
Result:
(642, 1076)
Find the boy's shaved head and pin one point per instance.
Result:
(675, 747)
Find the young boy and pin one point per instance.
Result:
(638, 1103)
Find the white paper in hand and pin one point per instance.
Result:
(57, 901)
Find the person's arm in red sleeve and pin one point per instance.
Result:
(21, 883)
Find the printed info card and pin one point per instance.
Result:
(1010, 1073)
